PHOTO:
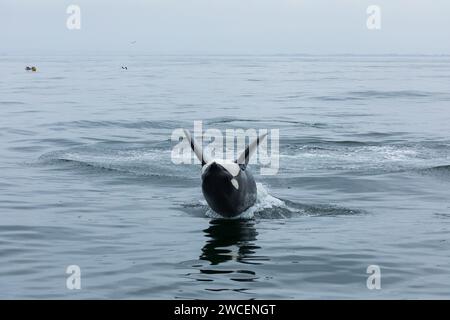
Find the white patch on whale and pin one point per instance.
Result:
(232, 167)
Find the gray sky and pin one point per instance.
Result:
(225, 27)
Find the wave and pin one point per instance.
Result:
(378, 94)
(392, 94)
(444, 168)
(313, 155)
(146, 124)
(369, 157)
(140, 162)
(266, 123)
(11, 103)
(441, 172)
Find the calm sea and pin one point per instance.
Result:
(86, 177)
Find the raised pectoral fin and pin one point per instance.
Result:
(196, 147)
(245, 156)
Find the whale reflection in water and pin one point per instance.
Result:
(231, 240)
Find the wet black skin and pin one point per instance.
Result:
(222, 196)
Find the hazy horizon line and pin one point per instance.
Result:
(118, 53)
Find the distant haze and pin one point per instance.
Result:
(225, 27)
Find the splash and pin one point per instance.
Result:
(266, 206)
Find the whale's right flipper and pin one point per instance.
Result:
(244, 158)
(196, 147)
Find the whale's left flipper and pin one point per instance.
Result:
(245, 156)
(196, 147)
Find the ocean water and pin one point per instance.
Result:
(86, 177)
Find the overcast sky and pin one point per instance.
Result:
(225, 27)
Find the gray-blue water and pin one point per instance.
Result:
(86, 177)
